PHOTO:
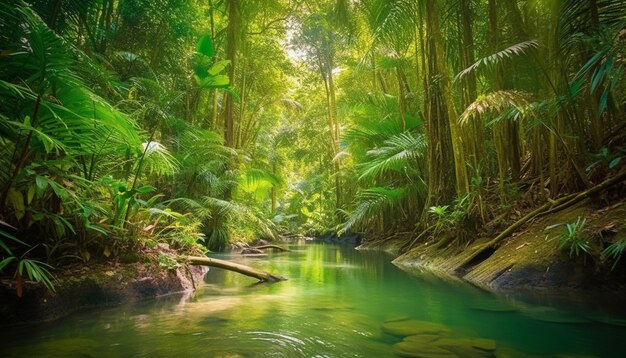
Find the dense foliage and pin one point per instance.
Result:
(128, 123)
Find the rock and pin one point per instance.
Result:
(331, 237)
(422, 338)
(507, 352)
(250, 250)
(94, 286)
(419, 350)
(484, 344)
(549, 314)
(413, 327)
(237, 246)
(467, 347)
(396, 318)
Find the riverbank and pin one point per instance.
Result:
(95, 284)
(530, 260)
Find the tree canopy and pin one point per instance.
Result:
(125, 124)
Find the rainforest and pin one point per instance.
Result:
(312, 178)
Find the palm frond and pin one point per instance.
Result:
(495, 102)
(398, 153)
(371, 202)
(158, 159)
(255, 176)
(498, 57)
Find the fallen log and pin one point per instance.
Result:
(263, 247)
(232, 266)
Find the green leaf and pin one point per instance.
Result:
(145, 189)
(30, 194)
(205, 46)
(42, 182)
(218, 67)
(7, 261)
(59, 227)
(6, 249)
(59, 190)
(17, 200)
(614, 162)
(603, 101)
(219, 81)
(96, 228)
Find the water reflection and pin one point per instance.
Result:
(334, 304)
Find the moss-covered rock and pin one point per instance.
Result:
(417, 350)
(99, 284)
(423, 338)
(413, 327)
(465, 347)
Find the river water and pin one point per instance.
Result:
(334, 304)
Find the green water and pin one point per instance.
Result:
(334, 305)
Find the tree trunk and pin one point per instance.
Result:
(231, 55)
(468, 83)
(232, 266)
(442, 154)
(505, 140)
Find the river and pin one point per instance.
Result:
(334, 304)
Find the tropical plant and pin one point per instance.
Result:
(614, 252)
(35, 270)
(372, 202)
(572, 238)
(441, 215)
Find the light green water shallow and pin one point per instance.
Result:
(333, 305)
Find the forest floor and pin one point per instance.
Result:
(530, 260)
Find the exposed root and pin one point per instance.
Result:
(547, 208)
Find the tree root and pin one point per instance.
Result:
(232, 266)
(545, 209)
(407, 248)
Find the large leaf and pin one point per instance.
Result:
(218, 67)
(219, 81)
(205, 46)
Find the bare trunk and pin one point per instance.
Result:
(232, 266)
(231, 55)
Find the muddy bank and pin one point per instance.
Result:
(530, 260)
(94, 285)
